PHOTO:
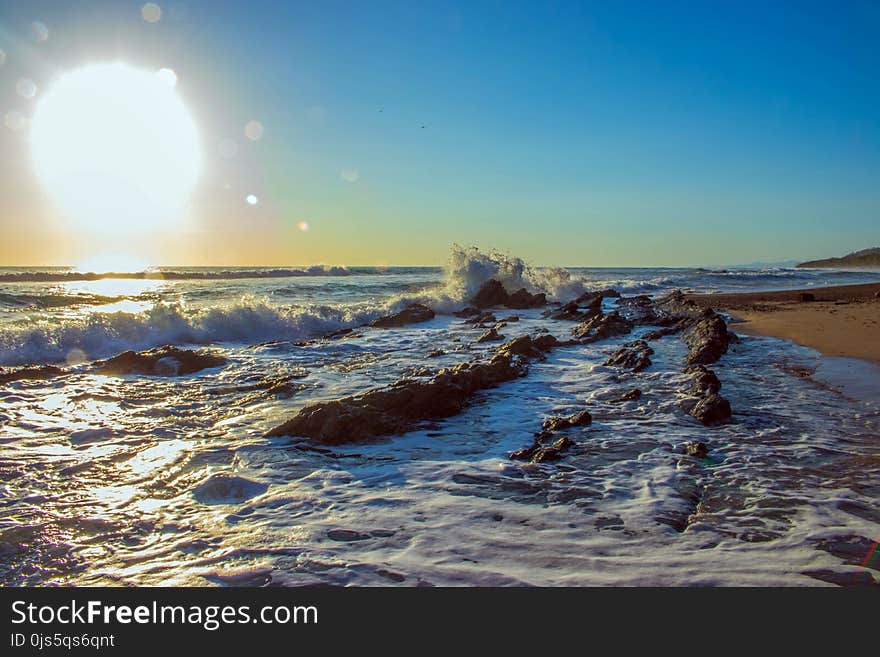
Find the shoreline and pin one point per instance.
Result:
(840, 321)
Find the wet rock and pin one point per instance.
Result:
(224, 488)
(639, 300)
(581, 419)
(347, 535)
(697, 450)
(162, 361)
(703, 401)
(703, 381)
(482, 318)
(411, 315)
(590, 298)
(470, 311)
(806, 296)
(707, 339)
(631, 395)
(491, 335)
(406, 404)
(523, 299)
(436, 353)
(490, 295)
(10, 374)
(676, 326)
(512, 318)
(710, 410)
(529, 347)
(633, 356)
(541, 453)
(601, 327)
(570, 312)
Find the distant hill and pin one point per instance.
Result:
(864, 259)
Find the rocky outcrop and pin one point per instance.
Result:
(601, 327)
(581, 419)
(162, 361)
(697, 450)
(405, 404)
(492, 294)
(702, 400)
(481, 318)
(411, 315)
(589, 298)
(223, 488)
(523, 299)
(630, 395)
(492, 335)
(10, 374)
(633, 356)
(707, 339)
(539, 452)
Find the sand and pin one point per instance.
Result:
(842, 321)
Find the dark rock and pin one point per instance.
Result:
(601, 327)
(228, 489)
(405, 404)
(571, 312)
(634, 356)
(482, 318)
(10, 374)
(512, 318)
(639, 300)
(707, 339)
(806, 296)
(703, 381)
(675, 326)
(713, 409)
(491, 294)
(581, 419)
(436, 353)
(590, 298)
(341, 333)
(540, 453)
(491, 335)
(696, 449)
(523, 299)
(631, 395)
(162, 361)
(412, 315)
(529, 347)
(470, 311)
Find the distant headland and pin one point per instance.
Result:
(864, 259)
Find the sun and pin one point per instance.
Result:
(116, 149)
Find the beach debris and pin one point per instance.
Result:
(633, 356)
(225, 488)
(405, 404)
(162, 361)
(410, 315)
(41, 373)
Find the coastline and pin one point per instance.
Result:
(841, 321)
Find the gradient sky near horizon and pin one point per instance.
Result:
(588, 133)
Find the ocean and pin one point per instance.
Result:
(113, 479)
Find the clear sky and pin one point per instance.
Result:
(587, 133)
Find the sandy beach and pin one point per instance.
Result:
(839, 321)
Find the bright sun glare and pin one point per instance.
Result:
(116, 149)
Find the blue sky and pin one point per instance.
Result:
(606, 133)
